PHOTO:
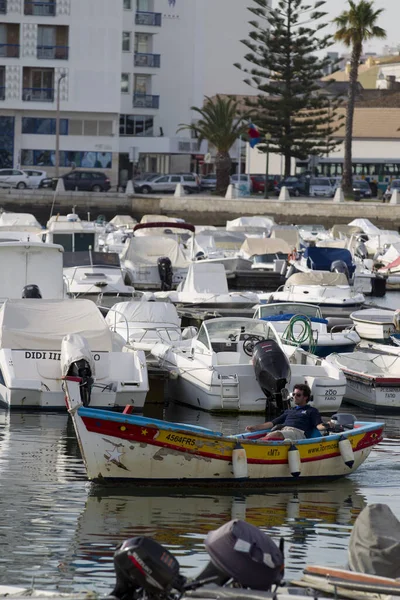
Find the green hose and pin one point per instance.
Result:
(305, 334)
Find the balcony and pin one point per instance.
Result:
(40, 9)
(145, 101)
(147, 60)
(148, 19)
(38, 94)
(3, 7)
(9, 50)
(53, 52)
(2, 92)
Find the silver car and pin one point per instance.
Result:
(167, 183)
(322, 186)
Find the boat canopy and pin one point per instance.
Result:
(123, 221)
(317, 278)
(32, 324)
(146, 250)
(366, 226)
(144, 312)
(89, 259)
(250, 224)
(205, 278)
(339, 231)
(321, 259)
(288, 233)
(258, 246)
(19, 222)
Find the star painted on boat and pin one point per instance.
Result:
(144, 432)
(113, 455)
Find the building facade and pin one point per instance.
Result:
(124, 73)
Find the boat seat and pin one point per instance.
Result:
(228, 358)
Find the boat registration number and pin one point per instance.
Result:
(180, 439)
(390, 392)
(330, 393)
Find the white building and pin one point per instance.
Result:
(127, 72)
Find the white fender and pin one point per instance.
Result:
(294, 461)
(239, 461)
(346, 451)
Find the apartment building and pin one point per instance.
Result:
(124, 74)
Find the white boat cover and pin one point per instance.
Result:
(146, 250)
(256, 246)
(205, 278)
(19, 221)
(32, 324)
(392, 254)
(317, 278)
(366, 226)
(75, 347)
(144, 312)
(258, 223)
(288, 233)
(344, 231)
(123, 221)
(65, 226)
(338, 243)
(160, 219)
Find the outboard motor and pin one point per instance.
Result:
(77, 361)
(339, 266)
(272, 370)
(31, 291)
(362, 237)
(144, 568)
(342, 422)
(361, 251)
(242, 552)
(165, 272)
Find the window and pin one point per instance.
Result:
(90, 128)
(136, 125)
(162, 180)
(142, 43)
(189, 178)
(125, 83)
(176, 179)
(126, 41)
(43, 126)
(127, 4)
(142, 84)
(70, 158)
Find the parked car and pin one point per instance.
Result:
(322, 186)
(393, 185)
(14, 178)
(244, 181)
(168, 183)
(258, 183)
(361, 189)
(38, 179)
(208, 182)
(146, 176)
(84, 181)
(296, 186)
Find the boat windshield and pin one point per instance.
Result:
(287, 308)
(233, 330)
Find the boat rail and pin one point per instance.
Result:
(157, 330)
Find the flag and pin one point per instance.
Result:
(254, 135)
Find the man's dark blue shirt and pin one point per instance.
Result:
(305, 418)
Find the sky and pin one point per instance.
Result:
(389, 20)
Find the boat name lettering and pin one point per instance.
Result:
(330, 392)
(387, 395)
(43, 355)
(392, 390)
(273, 452)
(178, 438)
(321, 447)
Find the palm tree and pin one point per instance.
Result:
(354, 27)
(221, 123)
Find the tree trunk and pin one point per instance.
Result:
(347, 183)
(223, 166)
(288, 165)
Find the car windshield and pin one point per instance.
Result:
(395, 184)
(291, 180)
(325, 182)
(362, 185)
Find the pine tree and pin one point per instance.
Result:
(292, 108)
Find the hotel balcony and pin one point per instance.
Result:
(2, 92)
(9, 40)
(148, 19)
(145, 101)
(38, 85)
(9, 50)
(38, 94)
(147, 60)
(3, 7)
(40, 9)
(53, 52)
(52, 42)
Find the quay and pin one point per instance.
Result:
(199, 209)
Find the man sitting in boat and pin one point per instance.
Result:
(297, 422)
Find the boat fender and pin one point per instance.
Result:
(396, 319)
(239, 461)
(346, 451)
(294, 461)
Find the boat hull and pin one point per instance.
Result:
(372, 396)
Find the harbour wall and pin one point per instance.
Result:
(199, 210)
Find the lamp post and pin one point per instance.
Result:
(267, 139)
(57, 156)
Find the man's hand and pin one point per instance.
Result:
(251, 428)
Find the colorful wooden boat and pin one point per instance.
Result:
(152, 452)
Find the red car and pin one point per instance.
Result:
(258, 182)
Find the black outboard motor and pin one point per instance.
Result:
(81, 369)
(342, 422)
(165, 272)
(144, 567)
(245, 554)
(272, 370)
(339, 266)
(362, 237)
(31, 291)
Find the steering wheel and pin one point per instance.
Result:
(250, 342)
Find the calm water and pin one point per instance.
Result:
(61, 531)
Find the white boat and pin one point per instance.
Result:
(31, 333)
(214, 371)
(96, 276)
(269, 254)
(375, 323)
(373, 379)
(206, 286)
(304, 326)
(72, 233)
(330, 291)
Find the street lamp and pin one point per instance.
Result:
(267, 139)
(57, 156)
